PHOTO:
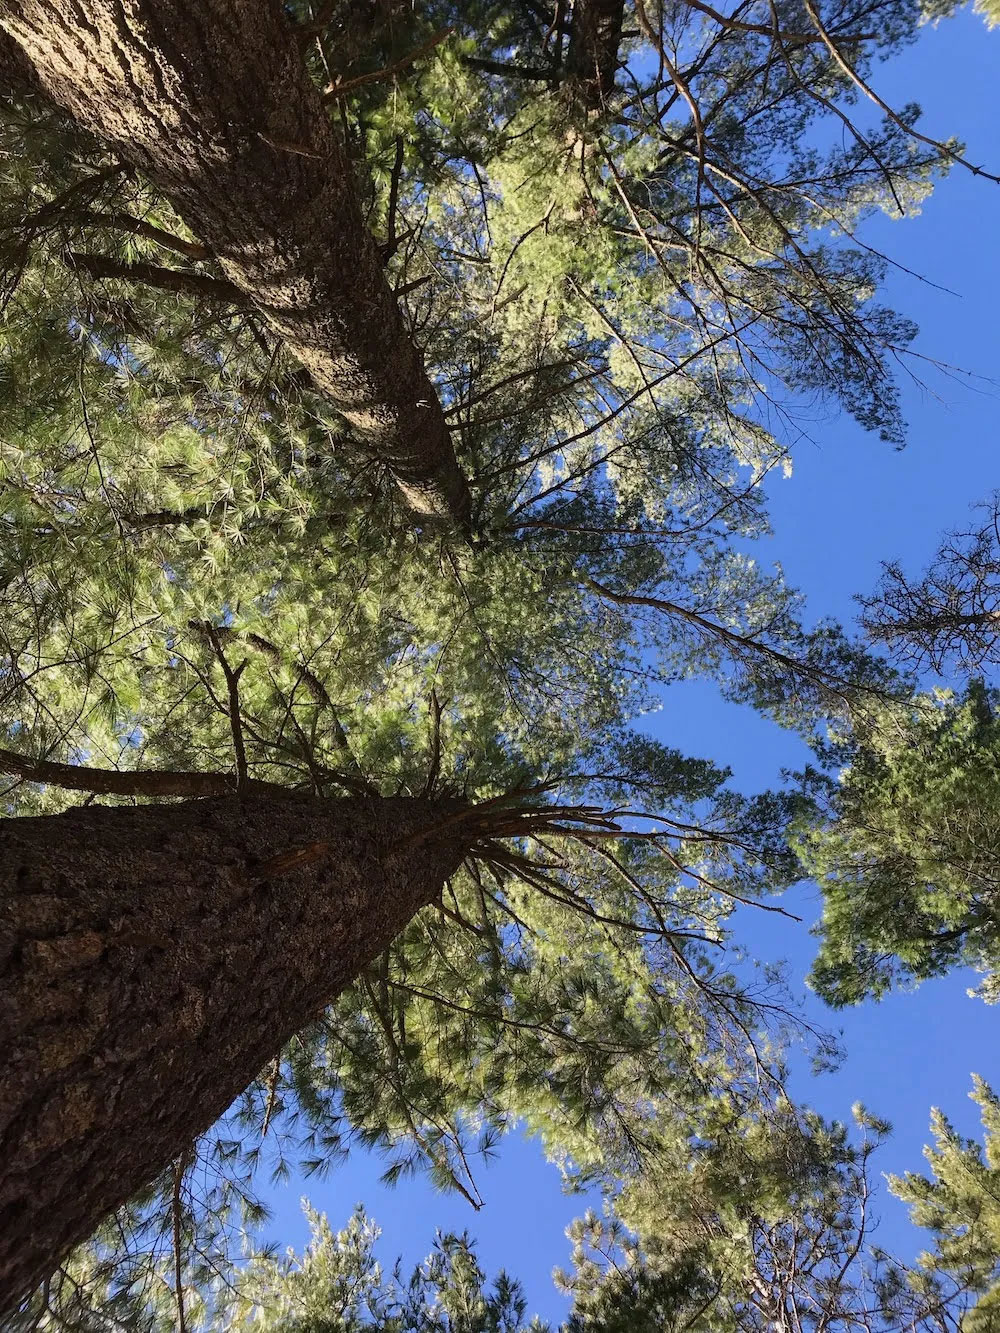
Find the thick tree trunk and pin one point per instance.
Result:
(153, 959)
(592, 58)
(211, 100)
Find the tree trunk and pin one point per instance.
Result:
(17, 77)
(211, 100)
(153, 959)
(592, 58)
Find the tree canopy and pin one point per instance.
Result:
(906, 845)
(383, 413)
(907, 856)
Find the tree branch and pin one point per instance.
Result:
(336, 90)
(180, 1166)
(233, 692)
(317, 690)
(768, 29)
(120, 221)
(111, 782)
(202, 285)
(535, 73)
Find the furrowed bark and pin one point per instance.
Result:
(592, 57)
(153, 959)
(17, 78)
(210, 99)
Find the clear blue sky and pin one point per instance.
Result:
(851, 503)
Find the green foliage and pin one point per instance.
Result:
(338, 1286)
(947, 618)
(990, 11)
(907, 855)
(765, 1219)
(766, 1225)
(959, 1203)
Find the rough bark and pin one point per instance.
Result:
(210, 99)
(592, 57)
(153, 960)
(17, 78)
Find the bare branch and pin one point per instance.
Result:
(233, 692)
(767, 30)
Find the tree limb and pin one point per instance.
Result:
(120, 221)
(336, 90)
(233, 691)
(111, 782)
(317, 690)
(535, 73)
(768, 29)
(202, 285)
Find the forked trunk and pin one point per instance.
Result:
(211, 100)
(153, 959)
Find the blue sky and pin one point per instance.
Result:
(851, 503)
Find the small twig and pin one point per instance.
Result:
(235, 722)
(286, 146)
(336, 90)
(411, 286)
(542, 222)
(457, 917)
(272, 1092)
(179, 1168)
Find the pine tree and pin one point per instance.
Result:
(254, 296)
(958, 1204)
(768, 1226)
(906, 853)
(948, 619)
(907, 848)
